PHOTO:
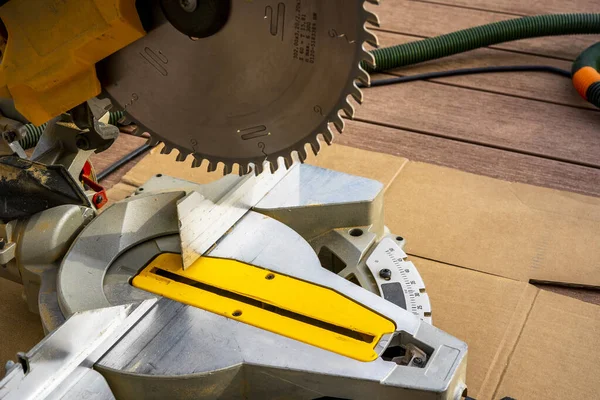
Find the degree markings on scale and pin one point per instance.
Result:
(403, 272)
(388, 254)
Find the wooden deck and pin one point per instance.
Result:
(525, 127)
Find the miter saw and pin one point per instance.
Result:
(301, 293)
(276, 284)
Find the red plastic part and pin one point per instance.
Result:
(100, 198)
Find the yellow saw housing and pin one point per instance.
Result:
(50, 48)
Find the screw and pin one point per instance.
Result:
(99, 199)
(418, 361)
(188, 5)
(385, 274)
(9, 365)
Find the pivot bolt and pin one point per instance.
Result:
(188, 5)
(419, 362)
(385, 274)
(82, 143)
(99, 199)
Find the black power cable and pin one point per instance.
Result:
(128, 157)
(470, 71)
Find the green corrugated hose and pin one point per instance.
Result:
(32, 136)
(34, 133)
(482, 36)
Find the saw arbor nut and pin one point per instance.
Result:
(197, 18)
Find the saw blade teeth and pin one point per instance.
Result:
(294, 157)
(126, 120)
(368, 58)
(273, 167)
(212, 166)
(259, 168)
(166, 149)
(302, 154)
(227, 169)
(372, 18)
(364, 77)
(288, 161)
(137, 131)
(371, 38)
(197, 162)
(356, 94)
(315, 146)
(339, 124)
(348, 109)
(327, 136)
(181, 157)
(152, 141)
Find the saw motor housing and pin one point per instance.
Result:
(50, 50)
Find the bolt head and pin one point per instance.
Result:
(189, 5)
(385, 274)
(82, 143)
(10, 136)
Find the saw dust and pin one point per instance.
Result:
(9, 173)
(40, 175)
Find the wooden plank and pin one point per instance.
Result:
(515, 124)
(426, 20)
(528, 7)
(473, 158)
(534, 85)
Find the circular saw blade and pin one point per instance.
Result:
(273, 80)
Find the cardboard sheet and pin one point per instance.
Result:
(507, 229)
(557, 354)
(485, 311)
(477, 242)
(20, 330)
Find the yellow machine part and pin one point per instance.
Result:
(277, 303)
(48, 63)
